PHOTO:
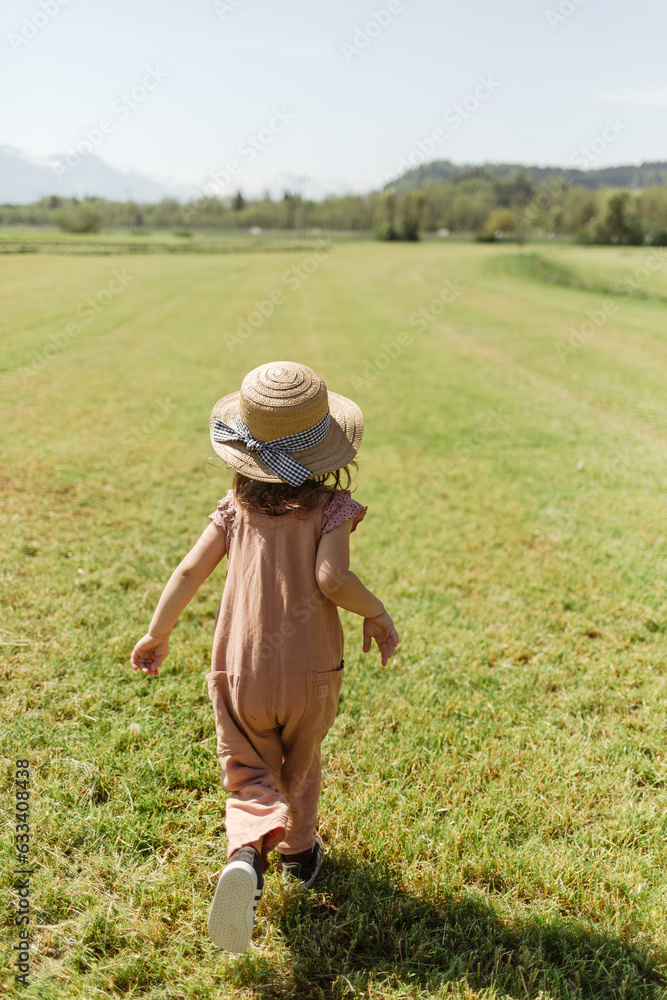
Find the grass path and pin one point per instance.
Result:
(494, 800)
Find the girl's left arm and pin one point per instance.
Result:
(183, 584)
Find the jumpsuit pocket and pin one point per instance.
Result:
(322, 693)
(223, 692)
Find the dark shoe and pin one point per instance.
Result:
(232, 915)
(304, 874)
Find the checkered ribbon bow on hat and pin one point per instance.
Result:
(274, 453)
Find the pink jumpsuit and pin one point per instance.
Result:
(276, 671)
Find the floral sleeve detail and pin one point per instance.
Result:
(223, 517)
(341, 508)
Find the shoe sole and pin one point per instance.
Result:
(232, 914)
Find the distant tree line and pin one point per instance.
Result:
(514, 207)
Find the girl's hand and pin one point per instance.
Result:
(149, 653)
(383, 631)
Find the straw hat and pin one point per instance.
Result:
(309, 430)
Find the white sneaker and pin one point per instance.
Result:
(239, 890)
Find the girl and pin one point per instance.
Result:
(277, 659)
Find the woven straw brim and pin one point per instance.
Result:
(338, 448)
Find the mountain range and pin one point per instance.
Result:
(25, 178)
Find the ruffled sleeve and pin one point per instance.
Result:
(223, 517)
(341, 508)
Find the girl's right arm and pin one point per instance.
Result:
(344, 588)
(183, 584)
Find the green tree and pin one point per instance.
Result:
(616, 226)
(411, 210)
(515, 191)
(291, 203)
(169, 212)
(579, 207)
(651, 208)
(135, 214)
(79, 219)
(499, 224)
(387, 228)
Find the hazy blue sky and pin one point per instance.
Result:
(354, 102)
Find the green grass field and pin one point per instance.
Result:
(494, 800)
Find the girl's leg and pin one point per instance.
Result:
(303, 800)
(301, 849)
(255, 811)
(301, 774)
(261, 846)
(250, 761)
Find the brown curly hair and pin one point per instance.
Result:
(251, 493)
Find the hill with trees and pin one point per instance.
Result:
(440, 171)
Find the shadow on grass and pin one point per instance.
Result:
(359, 930)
